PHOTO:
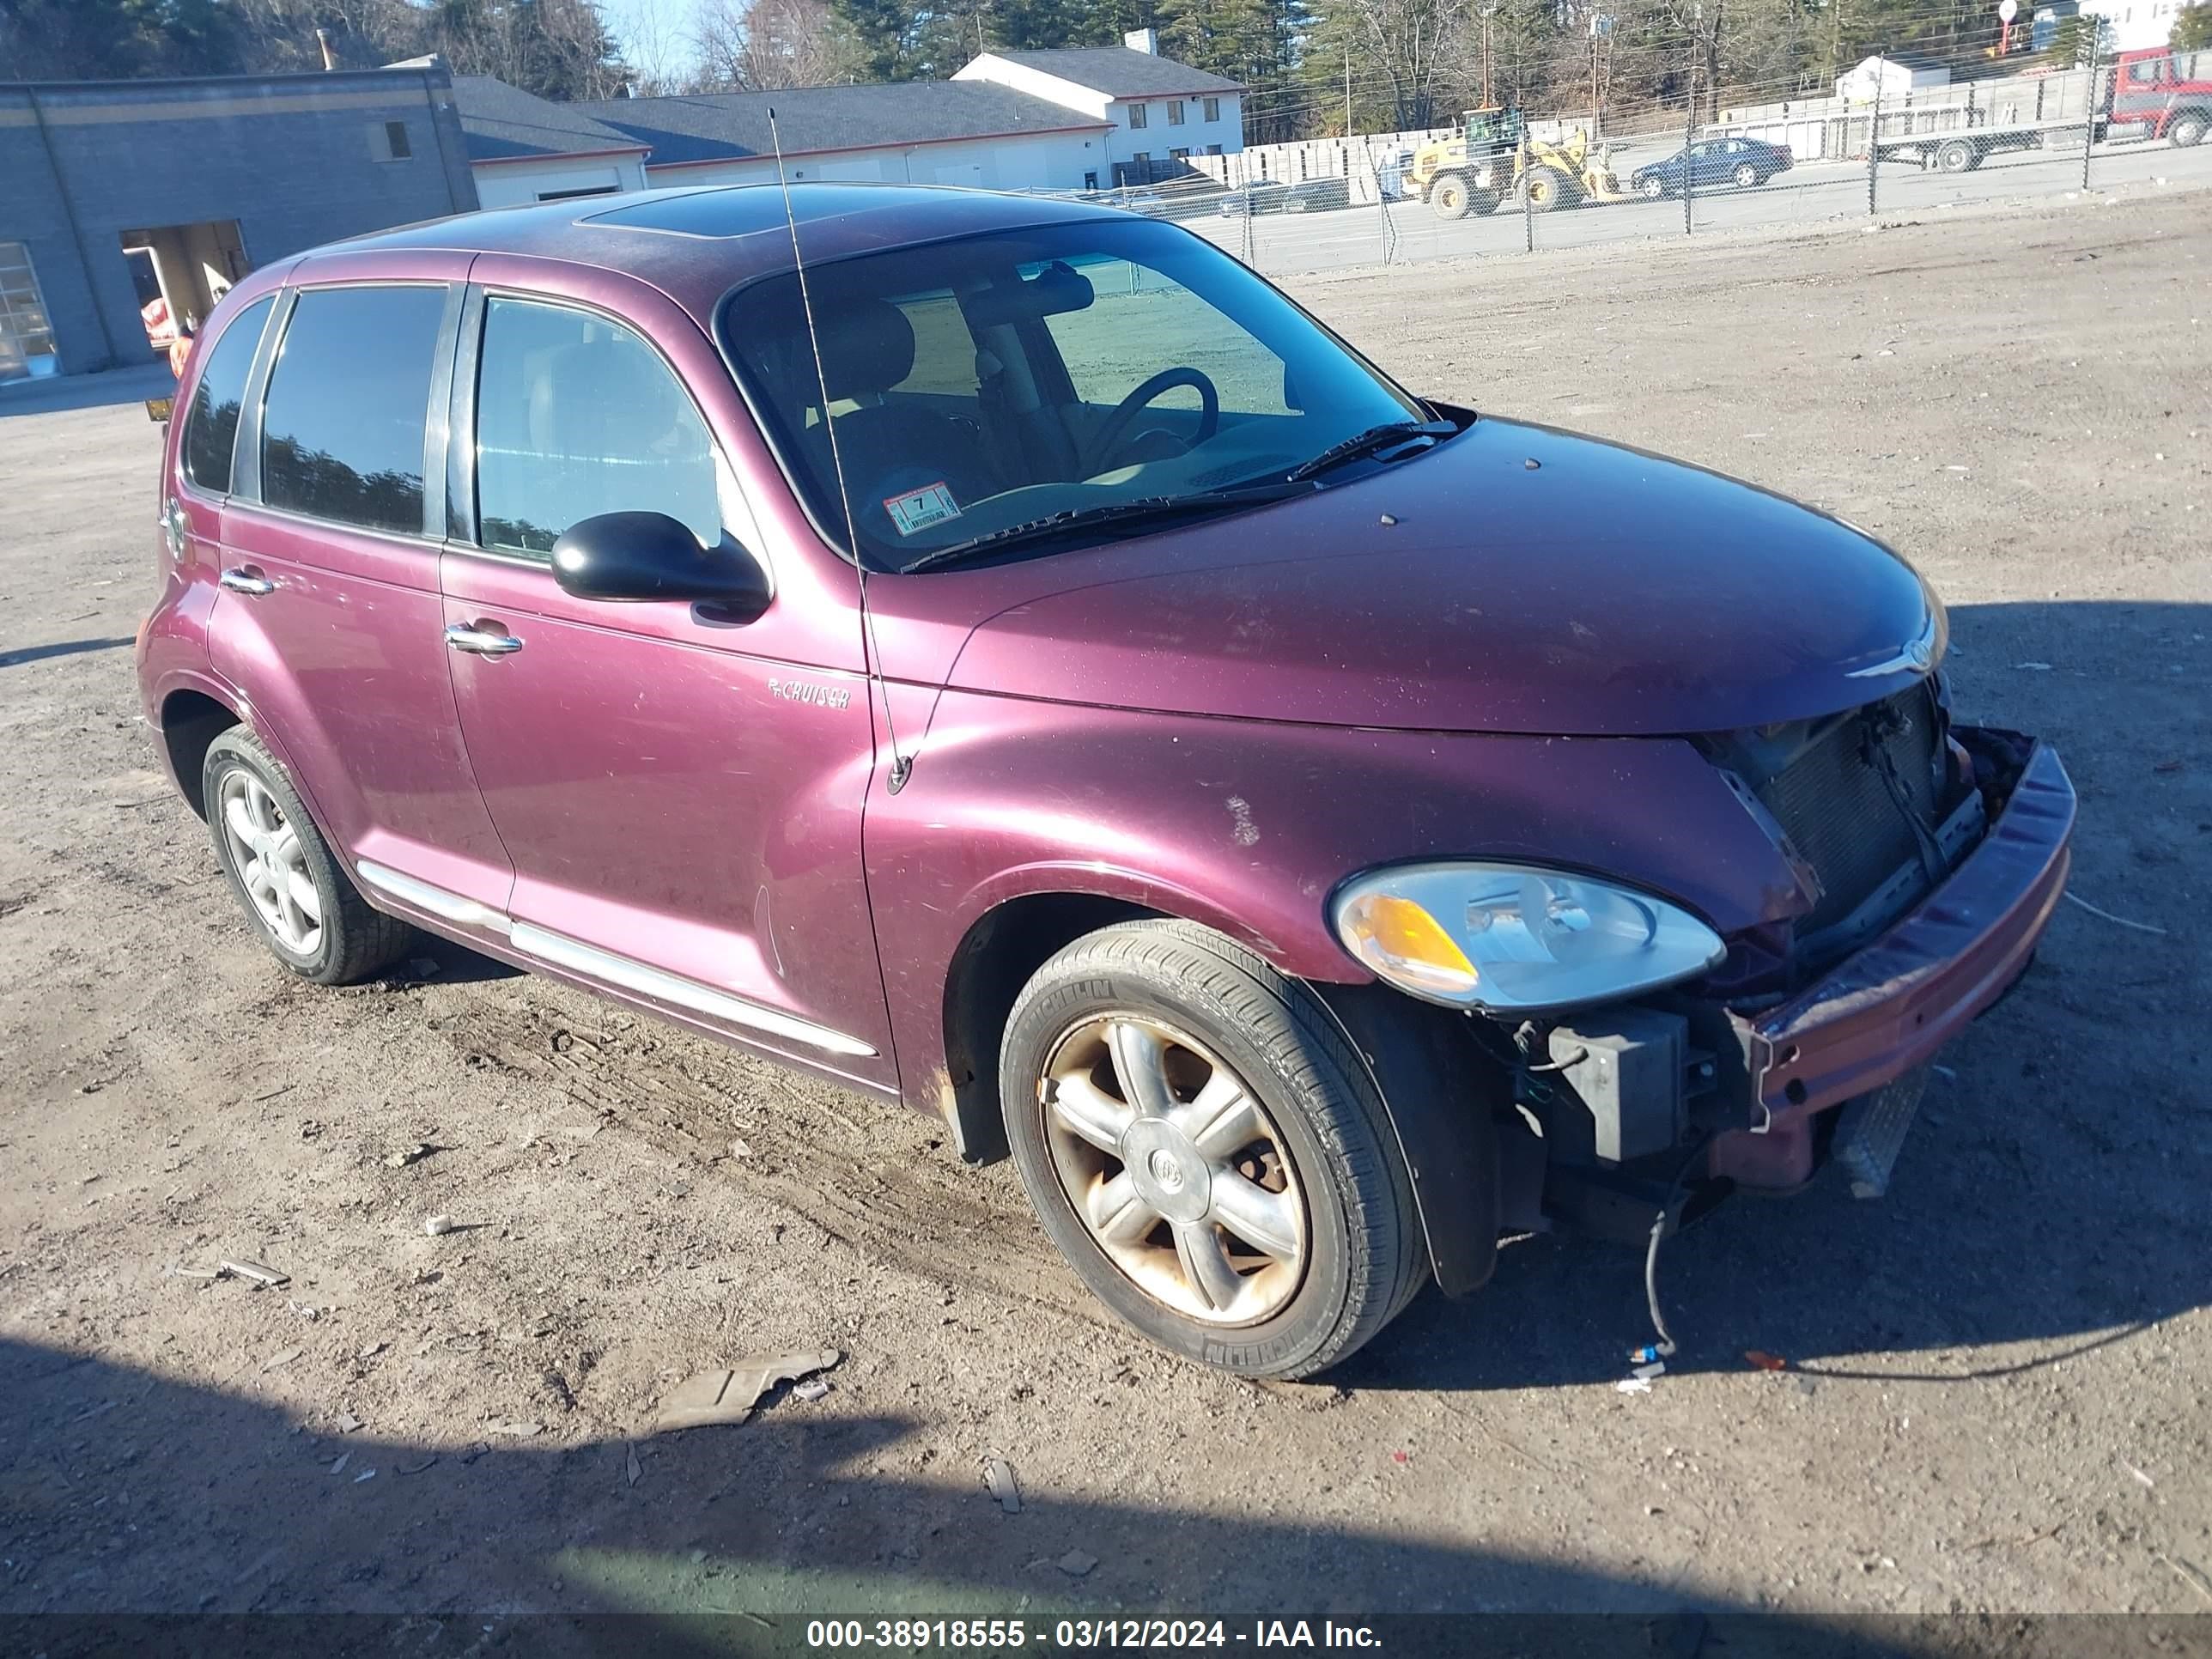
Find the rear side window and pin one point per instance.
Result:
(576, 416)
(211, 423)
(342, 425)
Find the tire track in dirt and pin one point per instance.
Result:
(867, 1172)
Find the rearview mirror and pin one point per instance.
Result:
(650, 555)
(1059, 288)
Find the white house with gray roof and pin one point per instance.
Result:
(1160, 112)
(921, 132)
(526, 149)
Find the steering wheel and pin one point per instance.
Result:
(1126, 412)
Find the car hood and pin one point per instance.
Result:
(1514, 579)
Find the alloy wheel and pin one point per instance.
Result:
(1175, 1169)
(272, 863)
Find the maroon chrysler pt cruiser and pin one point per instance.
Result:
(1006, 656)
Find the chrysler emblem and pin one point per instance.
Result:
(1916, 656)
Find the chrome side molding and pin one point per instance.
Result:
(558, 951)
(436, 900)
(634, 976)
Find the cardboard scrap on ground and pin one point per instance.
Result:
(729, 1396)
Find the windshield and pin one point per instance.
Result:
(997, 380)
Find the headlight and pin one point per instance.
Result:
(1512, 938)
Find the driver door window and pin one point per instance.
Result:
(575, 416)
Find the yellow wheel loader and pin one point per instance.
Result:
(1492, 158)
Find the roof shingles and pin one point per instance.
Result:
(505, 124)
(734, 126)
(1120, 71)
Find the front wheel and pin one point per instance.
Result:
(1205, 1150)
(1545, 189)
(1653, 189)
(2186, 131)
(1448, 197)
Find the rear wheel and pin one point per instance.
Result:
(1745, 175)
(1957, 157)
(2188, 129)
(303, 905)
(1449, 196)
(1205, 1150)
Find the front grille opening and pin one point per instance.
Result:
(1861, 796)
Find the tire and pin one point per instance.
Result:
(1448, 197)
(1745, 175)
(351, 940)
(1653, 189)
(1957, 157)
(1318, 1130)
(1545, 189)
(2187, 131)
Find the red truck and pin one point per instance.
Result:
(2152, 90)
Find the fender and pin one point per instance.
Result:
(1246, 826)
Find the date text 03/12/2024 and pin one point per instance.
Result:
(921, 1635)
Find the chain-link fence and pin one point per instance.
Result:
(1337, 203)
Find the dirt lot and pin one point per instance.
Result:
(1997, 1400)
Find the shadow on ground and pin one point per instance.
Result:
(123, 1494)
(67, 391)
(64, 648)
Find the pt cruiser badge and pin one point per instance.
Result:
(826, 697)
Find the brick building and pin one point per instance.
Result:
(121, 201)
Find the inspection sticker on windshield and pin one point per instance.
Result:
(918, 509)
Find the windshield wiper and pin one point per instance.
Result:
(1367, 442)
(1078, 518)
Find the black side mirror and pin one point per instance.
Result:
(650, 555)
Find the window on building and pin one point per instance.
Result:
(27, 339)
(1175, 112)
(575, 416)
(1090, 181)
(1137, 115)
(388, 140)
(1182, 155)
(1213, 109)
(342, 425)
(1213, 150)
(211, 423)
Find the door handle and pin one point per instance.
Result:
(246, 579)
(480, 642)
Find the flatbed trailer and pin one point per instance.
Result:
(1961, 149)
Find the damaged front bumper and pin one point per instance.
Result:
(1761, 1080)
(1882, 1013)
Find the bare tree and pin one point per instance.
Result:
(759, 46)
(658, 49)
(1404, 43)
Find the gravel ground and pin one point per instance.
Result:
(1996, 1402)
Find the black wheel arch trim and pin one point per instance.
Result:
(1431, 1077)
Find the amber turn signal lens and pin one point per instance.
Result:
(1405, 945)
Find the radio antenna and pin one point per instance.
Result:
(901, 764)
